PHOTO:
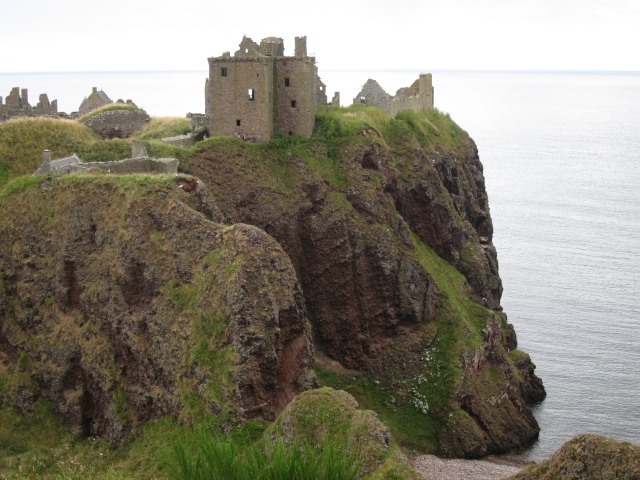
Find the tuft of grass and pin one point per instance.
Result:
(105, 150)
(219, 457)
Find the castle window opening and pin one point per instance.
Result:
(237, 123)
(223, 72)
(251, 94)
(293, 104)
(286, 82)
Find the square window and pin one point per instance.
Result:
(237, 123)
(293, 104)
(223, 71)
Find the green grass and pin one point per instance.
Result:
(409, 426)
(23, 140)
(161, 127)
(221, 457)
(37, 446)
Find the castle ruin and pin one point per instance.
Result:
(17, 105)
(140, 162)
(259, 92)
(419, 96)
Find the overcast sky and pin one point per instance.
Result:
(124, 35)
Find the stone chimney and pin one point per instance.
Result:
(94, 90)
(46, 160)
(138, 149)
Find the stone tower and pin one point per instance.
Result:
(259, 92)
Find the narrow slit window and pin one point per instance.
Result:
(286, 82)
(251, 94)
(223, 71)
(293, 104)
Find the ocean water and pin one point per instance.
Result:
(561, 152)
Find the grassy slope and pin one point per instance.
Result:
(22, 141)
(42, 446)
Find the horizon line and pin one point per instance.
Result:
(345, 70)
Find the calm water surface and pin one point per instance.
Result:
(561, 153)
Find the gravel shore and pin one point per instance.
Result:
(491, 468)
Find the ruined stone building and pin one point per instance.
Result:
(419, 96)
(96, 99)
(140, 162)
(17, 105)
(259, 92)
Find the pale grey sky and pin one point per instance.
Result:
(122, 35)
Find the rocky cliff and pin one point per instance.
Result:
(121, 303)
(128, 298)
(362, 209)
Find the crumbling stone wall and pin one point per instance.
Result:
(419, 96)
(167, 166)
(17, 105)
(373, 94)
(258, 92)
(118, 123)
(140, 162)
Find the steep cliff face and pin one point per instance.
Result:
(121, 303)
(360, 209)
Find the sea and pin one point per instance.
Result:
(561, 156)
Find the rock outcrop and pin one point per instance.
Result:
(353, 213)
(328, 415)
(120, 303)
(120, 123)
(588, 457)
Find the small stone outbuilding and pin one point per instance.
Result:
(96, 100)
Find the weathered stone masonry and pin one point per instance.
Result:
(259, 92)
(419, 96)
(17, 105)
